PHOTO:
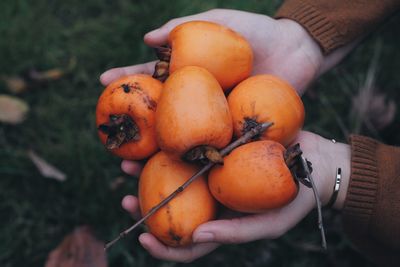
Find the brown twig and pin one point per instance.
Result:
(317, 200)
(258, 129)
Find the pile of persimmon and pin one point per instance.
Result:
(190, 118)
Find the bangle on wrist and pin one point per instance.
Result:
(336, 188)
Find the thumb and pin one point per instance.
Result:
(234, 231)
(159, 36)
(271, 224)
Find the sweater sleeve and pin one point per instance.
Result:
(334, 23)
(371, 213)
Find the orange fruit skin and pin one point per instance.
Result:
(192, 111)
(254, 178)
(266, 98)
(223, 52)
(174, 223)
(140, 104)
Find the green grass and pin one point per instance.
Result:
(36, 213)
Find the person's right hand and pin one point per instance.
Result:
(325, 156)
(281, 47)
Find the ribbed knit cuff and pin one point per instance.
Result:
(316, 23)
(363, 184)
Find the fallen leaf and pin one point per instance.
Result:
(46, 169)
(78, 249)
(374, 109)
(12, 109)
(48, 75)
(117, 182)
(15, 84)
(370, 107)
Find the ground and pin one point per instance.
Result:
(36, 213)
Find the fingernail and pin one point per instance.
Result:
(142, 242)
(203, 237)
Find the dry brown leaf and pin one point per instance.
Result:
(117, 182)
(12, 109)
(78, 249)
(46, 169)
(374, 109)
(370, 107)
(48, 75)
(15, 84)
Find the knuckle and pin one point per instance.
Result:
(214, 10)
(279, 231)
(234, 236)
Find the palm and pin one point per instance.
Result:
(279, 46)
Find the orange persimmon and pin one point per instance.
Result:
(220, 50)
(266, 98)
(254, 178)
(125, 115)
(174, 223)
(192, 112)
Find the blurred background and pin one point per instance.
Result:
(51, 55)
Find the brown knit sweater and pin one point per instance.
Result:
(334, 23)
(371, 212)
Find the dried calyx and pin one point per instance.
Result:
(119, 130)
(203, 154)
(248, 124)
(161, 70)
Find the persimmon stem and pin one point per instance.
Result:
(120, 129)
(161, 69)
(317, 200)
(258, 129)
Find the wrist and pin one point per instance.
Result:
(340, 157)
(303, 47)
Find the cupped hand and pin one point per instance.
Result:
(325, 157)
(281, 47)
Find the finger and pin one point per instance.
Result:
(131, 205)
(131, 167)
(270, 225)
(110, 75)
(182, 254)
(159, 36)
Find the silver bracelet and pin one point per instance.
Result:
(336, 187)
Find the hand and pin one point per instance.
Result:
(281, 47)
(325, 157)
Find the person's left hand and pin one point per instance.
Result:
(325, 157)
